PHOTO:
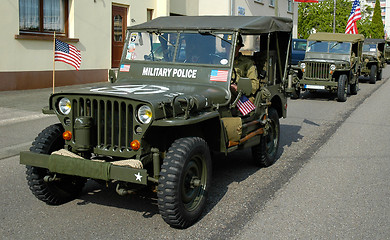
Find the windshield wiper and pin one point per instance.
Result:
(337, 43)
(159, 34)
(314, 43)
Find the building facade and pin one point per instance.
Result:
(97, 28)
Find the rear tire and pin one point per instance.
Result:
(58, 191)
(373, 74)
(184, 182)
(264, 154)
(341, 89)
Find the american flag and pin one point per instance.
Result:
(219, 75)
(124, 68)
(68, 54)
(311, 1)
(245, 105)
(355, 15)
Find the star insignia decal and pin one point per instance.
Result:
(138, 177)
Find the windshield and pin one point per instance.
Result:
(369, 47)
(329, 47)
(192, 48)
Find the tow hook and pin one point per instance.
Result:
(122, 191)
(49, 178)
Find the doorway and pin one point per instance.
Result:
(119, 25)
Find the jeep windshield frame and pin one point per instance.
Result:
(179, 47)
(329, 47)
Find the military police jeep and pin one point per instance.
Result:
(373, 59)
(332, 62)
(169, 107)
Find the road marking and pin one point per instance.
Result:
(14, 150)
(23, 119)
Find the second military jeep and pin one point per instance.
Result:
(373, 59)
(332, 62)
(168, 109)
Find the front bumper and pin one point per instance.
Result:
(305, 84)
(84, 167)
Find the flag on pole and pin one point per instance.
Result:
(309, 1)
(353, 17)
(67, 53)
(245, 105)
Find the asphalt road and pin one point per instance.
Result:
(330, 180)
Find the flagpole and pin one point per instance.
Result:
(334, 16)
(54, 61)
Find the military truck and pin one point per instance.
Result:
(373, 59)
(387, 51)
(332, 62)
(165, 113)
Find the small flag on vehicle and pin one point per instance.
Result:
(219, 75)
(67, 53)
(245, 105)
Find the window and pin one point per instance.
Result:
(289, 6)
(272, 3)
(43, 16)
(149, 14)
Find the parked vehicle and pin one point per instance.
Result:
(387, 51)
(169, 107)
(298, 50)
(332, 62)
(373, 59)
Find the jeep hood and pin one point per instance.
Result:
(156, 92)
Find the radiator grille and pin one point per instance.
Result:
(113, 121)
(318, 71)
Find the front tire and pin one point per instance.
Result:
(184, 182)
(341, 89)
(264, 154)
(296, 93)
(354, 88)
(58, 191)
(373, 74)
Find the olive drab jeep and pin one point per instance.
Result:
(387, 51)
(373, 59)
(169, 107)
(332, 62)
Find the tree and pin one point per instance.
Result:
(364, 24)
(318, 17)
(377, 24)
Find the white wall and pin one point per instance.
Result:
(89, 21)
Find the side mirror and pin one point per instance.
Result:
(111, 76)
(245, 86)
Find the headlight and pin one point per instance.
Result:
(64, 106)
(303, 66)
(332, 67)
(144, 114)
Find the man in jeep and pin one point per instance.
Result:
(243, 66)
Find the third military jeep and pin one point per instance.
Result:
(169, 107)
(373, 59)
(332, 62)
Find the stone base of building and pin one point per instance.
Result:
(44, 79)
